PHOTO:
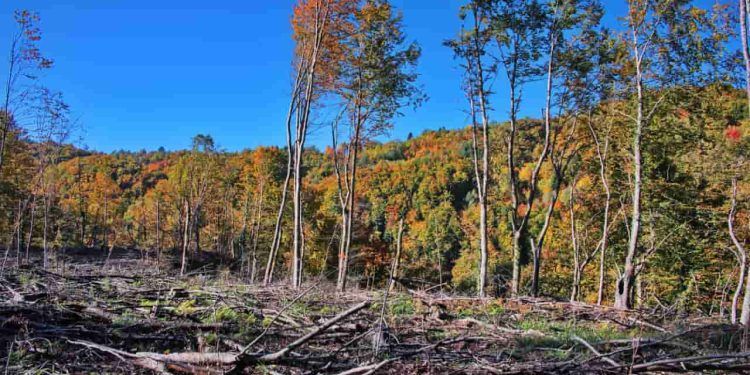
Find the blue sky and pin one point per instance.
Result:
(144, 74)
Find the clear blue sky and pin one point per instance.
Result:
(144, 74)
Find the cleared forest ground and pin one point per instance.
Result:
(96, 314)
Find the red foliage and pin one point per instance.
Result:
(733, 133)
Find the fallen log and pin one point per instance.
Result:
(594, 351)
(367, 370)
(245, 360)
(166, 363)
(696, 363)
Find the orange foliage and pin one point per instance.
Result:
(318, 28)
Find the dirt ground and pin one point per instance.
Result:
(94, 312)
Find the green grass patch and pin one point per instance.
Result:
(557, 336)
(186, 308)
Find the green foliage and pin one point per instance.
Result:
(186, 308)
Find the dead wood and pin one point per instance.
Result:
(594, 351)
(245, 360)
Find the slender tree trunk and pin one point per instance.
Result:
(302, 126)
(196, 231)
(742, 265)
(185, 239)
(297, 230)
(19, 231)
(6, 122)
(603, 249)
(158, 233)
(536, 249)
(745, 51)
(256, 234)
(11, 239)
(623, 291)
(576, 285)
(742, 257)
(345, 245)
(276, 242)
(484, 253)
(603, 243)
(484, 181)
(45, 249)
(347, 212)
(30, 235)
(106, 222)
(538, 244)
(243, 233)
(481, 165)
(516, 225)
(343, 252)
(745, 319)
(519, 225)
(81, 205)
(397, 256)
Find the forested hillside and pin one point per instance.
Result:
(420, 191)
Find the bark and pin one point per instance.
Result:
(298, 223)
(745, 319)
(30, 235)
(158, 232)
(195, 228)
(538, 244)
(576, 284)
(185, 238)
(347, 182)
(742, 256)
(256, 234)
(741, 259)
(106, 220)
(44, 232)
(745, 51)
(19, 231)
(397, 257)
(243, 233)
(481, 165)
(81, 205)
(9, 244)
(602, 157)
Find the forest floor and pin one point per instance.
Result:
(90, 313)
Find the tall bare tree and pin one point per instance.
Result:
(574, 53)
(25, 63)
(471, 47)
(377, 79)
(277, 232)
(318, 27)
(668, 43)
(519, 31)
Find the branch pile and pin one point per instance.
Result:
(94, 319)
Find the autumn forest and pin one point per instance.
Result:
(608, 234)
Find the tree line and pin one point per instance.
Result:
(628, 189)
